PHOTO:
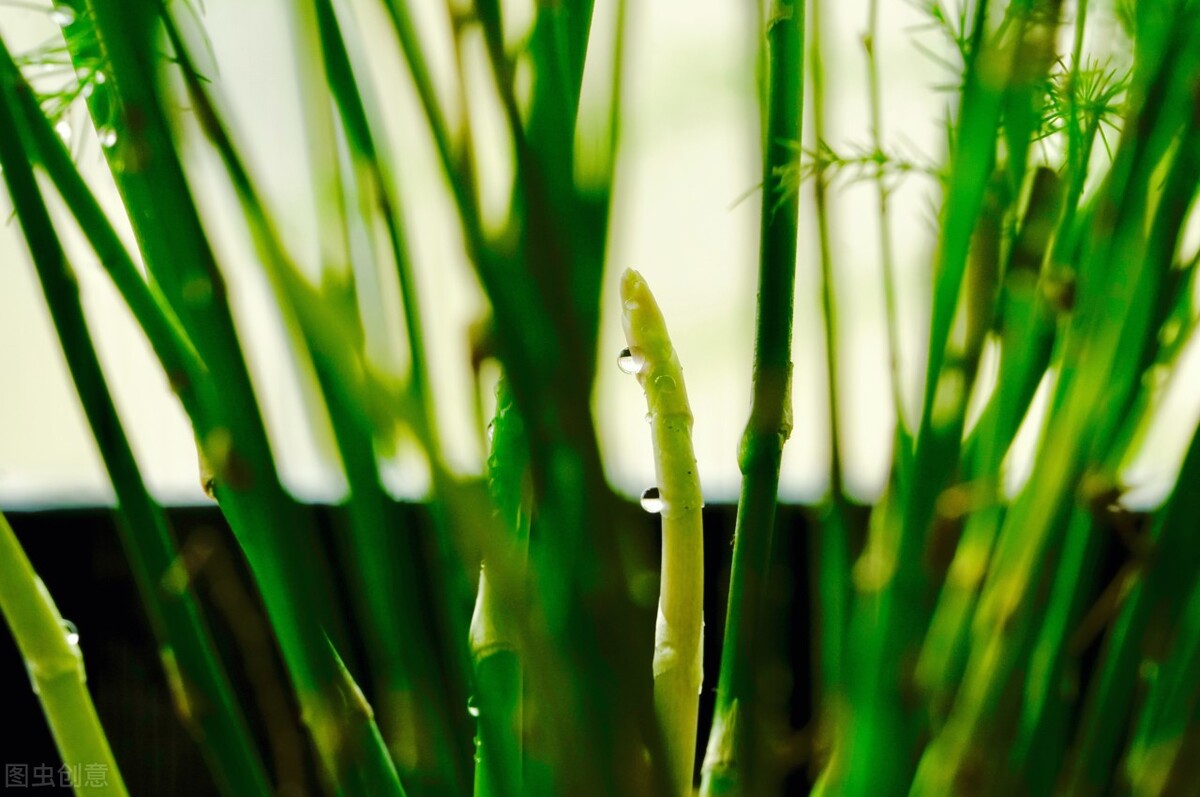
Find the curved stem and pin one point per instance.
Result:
(679, 633)
(51, 653)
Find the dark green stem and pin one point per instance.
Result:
(737, 761)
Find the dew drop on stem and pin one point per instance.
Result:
(652, 500)
(72, 633)
(63, 16)
(107, 136)
(472, 706)
(631, 360)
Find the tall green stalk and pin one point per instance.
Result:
(503, 764)
(736, 761)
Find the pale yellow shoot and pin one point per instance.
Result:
(679, 633)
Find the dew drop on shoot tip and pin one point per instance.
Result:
(631, 360)
(63, 16)
(652, 501)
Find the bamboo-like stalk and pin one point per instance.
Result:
(495, 635)
(55, 664)
(679, 634)
(207, 704)
(735, 761)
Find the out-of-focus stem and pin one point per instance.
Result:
(886, 254)
(833, 544)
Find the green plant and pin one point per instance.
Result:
(953, 626)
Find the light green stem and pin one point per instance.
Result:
(679, 634)
(51, 653)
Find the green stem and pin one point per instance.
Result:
(51, 653)
(886, 255)
(679, 632)
(833, 547)
(735, 762)
(502, 768)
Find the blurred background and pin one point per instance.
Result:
(686, 216)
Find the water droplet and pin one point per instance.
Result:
(652, 501)
(107, 136)
(63, 128)
(631, 305)
(63, 16)
(472, 706)
(631, 360)
(491, 430)
(99, 78)
(649, 417)
(665, 383)
(72, 633)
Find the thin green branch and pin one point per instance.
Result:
(886, 254)
(833, 544)
(736, 761)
